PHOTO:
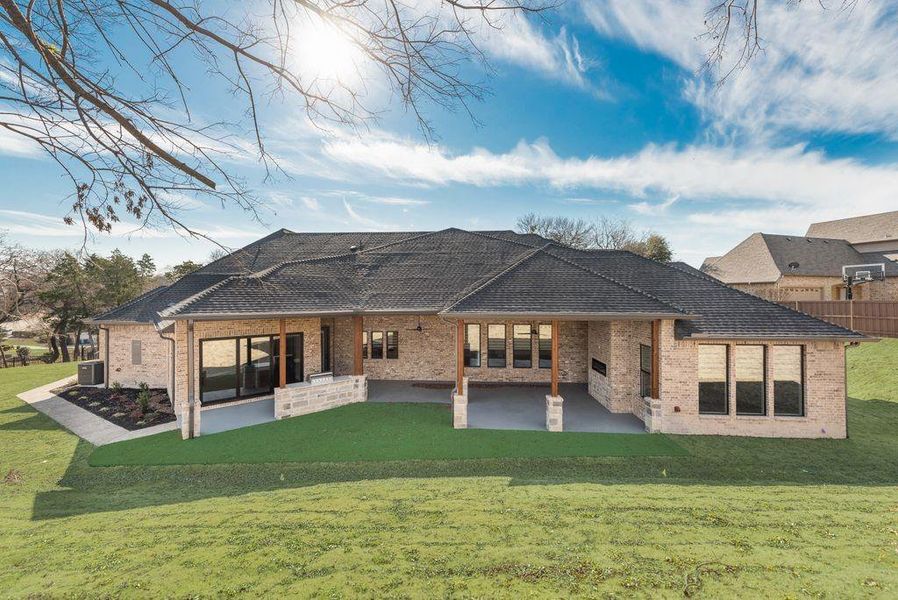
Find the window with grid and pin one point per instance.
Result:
(495, 346)
(545, 346)
(522, 347)
(472, 345)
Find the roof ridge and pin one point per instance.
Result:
(613, 280)
(271, 235)
(484, 283)
(499, 239)
(132, 301)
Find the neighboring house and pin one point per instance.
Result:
(787, 268)
(867, 233)
(678, 349)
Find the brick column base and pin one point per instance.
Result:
(460, 406)
(554, 413)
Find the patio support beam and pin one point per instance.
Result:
(282, 354)
(656, 358)
(358, 366)
(555, 358)
(460, 356)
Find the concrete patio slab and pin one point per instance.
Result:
(524, 407)
(409, 391)
(83, 423)
(224, 417)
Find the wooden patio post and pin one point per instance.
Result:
(555, 358)
(460, 357)
(656, 358)
(358, 366)
(282, 354)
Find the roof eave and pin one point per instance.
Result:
(567, 316)
(789, 338)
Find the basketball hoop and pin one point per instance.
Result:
(854, 275)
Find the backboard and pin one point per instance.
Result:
(858, 274)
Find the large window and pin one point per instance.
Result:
(545, 346)
(751, 381)
(495, 346)
(522, 347)
(246, 366)
(712, 379)
(377, 344)
(788, 380)
(392, 344)
(645, 370)
(472, 345)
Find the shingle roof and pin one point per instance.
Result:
(464, 273)
(764, 257)
(857, 230)
(721, 311)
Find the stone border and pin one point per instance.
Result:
(83, 423)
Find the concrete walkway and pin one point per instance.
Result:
(83, 423)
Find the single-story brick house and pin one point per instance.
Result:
(678, 349)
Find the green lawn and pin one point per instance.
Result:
(729, 517)
(372, 432)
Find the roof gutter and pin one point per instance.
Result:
(569, 316)
(781, 338)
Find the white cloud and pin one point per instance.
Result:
(792, 175)
(654, 209)
(362, 220)
(311, 204)
(821, 70)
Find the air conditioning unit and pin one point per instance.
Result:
(90, 372)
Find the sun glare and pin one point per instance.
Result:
(325, 53)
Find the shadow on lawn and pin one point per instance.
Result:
(868, 458)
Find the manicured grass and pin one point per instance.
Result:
(372, 432)
(732, 518)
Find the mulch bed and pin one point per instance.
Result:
(122, 407)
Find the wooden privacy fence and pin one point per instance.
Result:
(871, 317)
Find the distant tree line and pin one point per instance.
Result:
(66, 289)
(605, 233)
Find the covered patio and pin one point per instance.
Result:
(512, 406)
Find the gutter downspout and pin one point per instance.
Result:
(171, 366)
(105, 357)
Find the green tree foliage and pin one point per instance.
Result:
(653, 246)
(181, 269)
(147, 266)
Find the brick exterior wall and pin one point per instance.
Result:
(790, 287)
(429, 355)
(154, 354)
(310, 328)
(824, 393)
(616, 343)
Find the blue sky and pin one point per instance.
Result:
(598, 110)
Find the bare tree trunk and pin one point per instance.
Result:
(3, 356)
(64, 347)
(54, 347)
(78, 352)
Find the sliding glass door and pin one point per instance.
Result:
(243, 367)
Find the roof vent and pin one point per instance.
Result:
(793, 266)
(809, 240)
(788, 239)
(355, 248)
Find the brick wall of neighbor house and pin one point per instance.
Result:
(616, 343)
(310, 328)
(791, 288)
(429, 355)
(154, 358)
(824, 393)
